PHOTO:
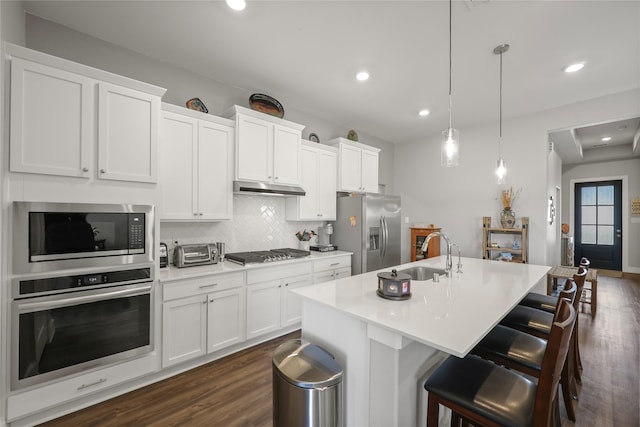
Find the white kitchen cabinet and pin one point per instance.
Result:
(225, 319)
(292, 303)
(263, 308)
(267, 148)
(59, 127)
(319, 180)
(195, 166)
(332, 268)
(52, 124)
(184, 333)
(128, 123)
(270, 305)
(357, 166)
(201, 315)
(92, 381)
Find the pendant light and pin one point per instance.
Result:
(450, 148)
(501, 165)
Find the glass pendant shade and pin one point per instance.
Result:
(450, 148)
(501, 171)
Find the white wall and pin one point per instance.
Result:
(456, 199)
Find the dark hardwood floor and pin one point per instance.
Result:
(236, 390)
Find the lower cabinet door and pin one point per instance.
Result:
(292, 303)
(263, 308)
(225, 319)
(184, 323)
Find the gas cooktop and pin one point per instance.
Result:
(258, 257)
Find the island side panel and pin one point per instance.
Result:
(345, 337)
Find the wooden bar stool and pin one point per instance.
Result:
(547, 303)
(523, 352)
(538, 323)
(483, 393)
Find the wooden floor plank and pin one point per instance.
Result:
(236, 391)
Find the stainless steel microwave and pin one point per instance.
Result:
(54, 236)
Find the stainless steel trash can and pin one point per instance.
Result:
(307, 386)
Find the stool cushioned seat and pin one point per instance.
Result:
(481, 386)
(530, 320)
(543, 302)
(518, 347)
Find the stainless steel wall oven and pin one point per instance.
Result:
(81, 286)
(65, 324)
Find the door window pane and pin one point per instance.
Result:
(588, 234)
(588, 196)
(589, 215)
(605, 195)
(605, 235)
(605, 215)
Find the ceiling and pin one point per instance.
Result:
(306, 54)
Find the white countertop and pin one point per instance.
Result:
(172, 273)
(451, 315)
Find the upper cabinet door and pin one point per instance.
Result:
(254, 149)
(350, 168)
(215, 195)
(127, 134)
(178, 166)
(286, 155)
(369, 166)
(51, 121)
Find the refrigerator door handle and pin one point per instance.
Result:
(381, 242)
(384, 236)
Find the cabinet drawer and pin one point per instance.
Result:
(37, 399)
(276, 273)
(200, 285)
(332, 263)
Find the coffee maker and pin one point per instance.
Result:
(324, 239)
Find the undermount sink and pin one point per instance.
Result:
(422, 273)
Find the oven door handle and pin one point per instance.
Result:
(65, 302)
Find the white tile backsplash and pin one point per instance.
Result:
(258, 224)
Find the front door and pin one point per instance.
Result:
(598, 223)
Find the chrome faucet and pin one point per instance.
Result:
(425, 246)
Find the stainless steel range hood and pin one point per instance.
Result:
(249, 187)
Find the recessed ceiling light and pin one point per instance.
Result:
(606, 138)
(362, 76)
(236, 4)
(573, 67)
(423, 113)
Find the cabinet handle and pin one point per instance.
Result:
(100, 381)
(335, 263)
(85, 169)
(319, 214)
(103, 171)
(208, 286)
(279, 286)
(212, 300)
(269, 177)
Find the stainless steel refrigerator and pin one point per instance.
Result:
(369, 226)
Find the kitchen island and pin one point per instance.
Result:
(387, 348)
